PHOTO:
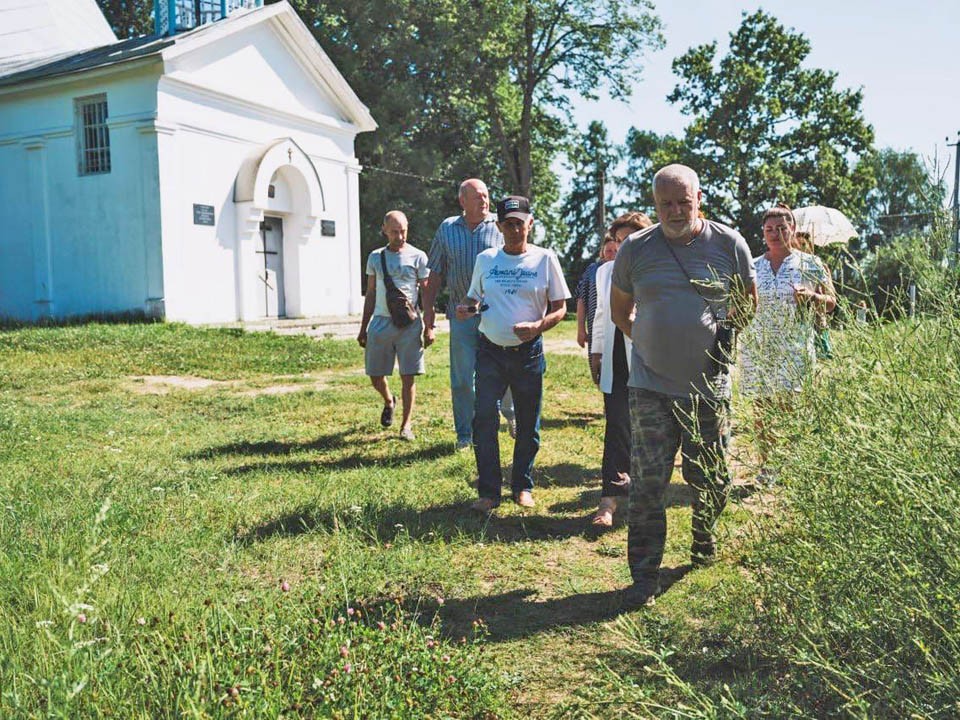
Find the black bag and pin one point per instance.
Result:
(402, 313)
(721, 356)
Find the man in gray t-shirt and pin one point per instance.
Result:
(673, 285)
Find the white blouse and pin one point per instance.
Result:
(777, 348)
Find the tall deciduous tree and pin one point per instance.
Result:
(764, 128)
(474, 88)
(646, 152)
(590, 160)
(537, 52)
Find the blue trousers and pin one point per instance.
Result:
(464, 336)
(519, 369)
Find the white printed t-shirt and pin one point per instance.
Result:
(515, 288)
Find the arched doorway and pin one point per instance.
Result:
(278, 199)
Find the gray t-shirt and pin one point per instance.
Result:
(674, 330)
(406, 268)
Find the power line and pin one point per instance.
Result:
(422, 178)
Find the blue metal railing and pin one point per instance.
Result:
(173, 16)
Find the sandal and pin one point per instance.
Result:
(604, 514)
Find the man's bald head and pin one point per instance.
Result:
(472, 185)
(395, 229)
(395, 216)
(475, 201)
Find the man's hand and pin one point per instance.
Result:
(362, 337)
(581, 336)
(595, 360)
(527, 331)
(429, 335)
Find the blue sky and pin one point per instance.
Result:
(904, 55)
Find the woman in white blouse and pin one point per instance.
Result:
(610, 353)
(777, 348)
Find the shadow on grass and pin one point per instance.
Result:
(393, 523)
(561, 475)
(332, 441)
(577, 420)
(350, 462)
(512, 615)
(676, 495)
(130, 317)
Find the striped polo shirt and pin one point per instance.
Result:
(587, 291)
(454, 251)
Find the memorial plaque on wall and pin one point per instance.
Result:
(328, 228)
(203, 215)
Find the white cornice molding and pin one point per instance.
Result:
(59, 131)
(305, 48)
(231, 103)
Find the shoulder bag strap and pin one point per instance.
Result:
(387, 280)
(716, 319)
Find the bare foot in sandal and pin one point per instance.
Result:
(604, 514)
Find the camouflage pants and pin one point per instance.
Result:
(660, 424)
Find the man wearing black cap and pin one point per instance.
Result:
(520, 291)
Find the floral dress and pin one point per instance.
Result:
(777, 348)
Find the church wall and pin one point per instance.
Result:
(16, 270)
(78, 244)
(211, 137)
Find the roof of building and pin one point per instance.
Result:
(97, 57)
(38, 31)
(128, 50)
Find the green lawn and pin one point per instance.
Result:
(172, 547)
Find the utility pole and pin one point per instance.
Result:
(956, 200)
(601, 205)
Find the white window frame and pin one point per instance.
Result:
(93, 135)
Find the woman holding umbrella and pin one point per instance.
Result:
(777, 349)
(821, 324)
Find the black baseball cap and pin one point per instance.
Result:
(513, 206)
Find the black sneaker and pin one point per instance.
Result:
(639, 595)
(386, 417)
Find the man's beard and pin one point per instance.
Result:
(684, 233)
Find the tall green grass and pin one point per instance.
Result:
(860, 579)
(849, 600)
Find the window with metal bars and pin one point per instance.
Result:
(93, 135)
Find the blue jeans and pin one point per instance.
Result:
(463, 362)
(519, 369)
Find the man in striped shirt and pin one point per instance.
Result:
(453, 253)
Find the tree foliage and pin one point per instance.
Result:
(537, 52)
(589, 159)
(907, 198)
(474, 89)
(764, 128)
(128, 18)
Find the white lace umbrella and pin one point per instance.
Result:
(825, 225)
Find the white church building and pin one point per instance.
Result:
(204, 174)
